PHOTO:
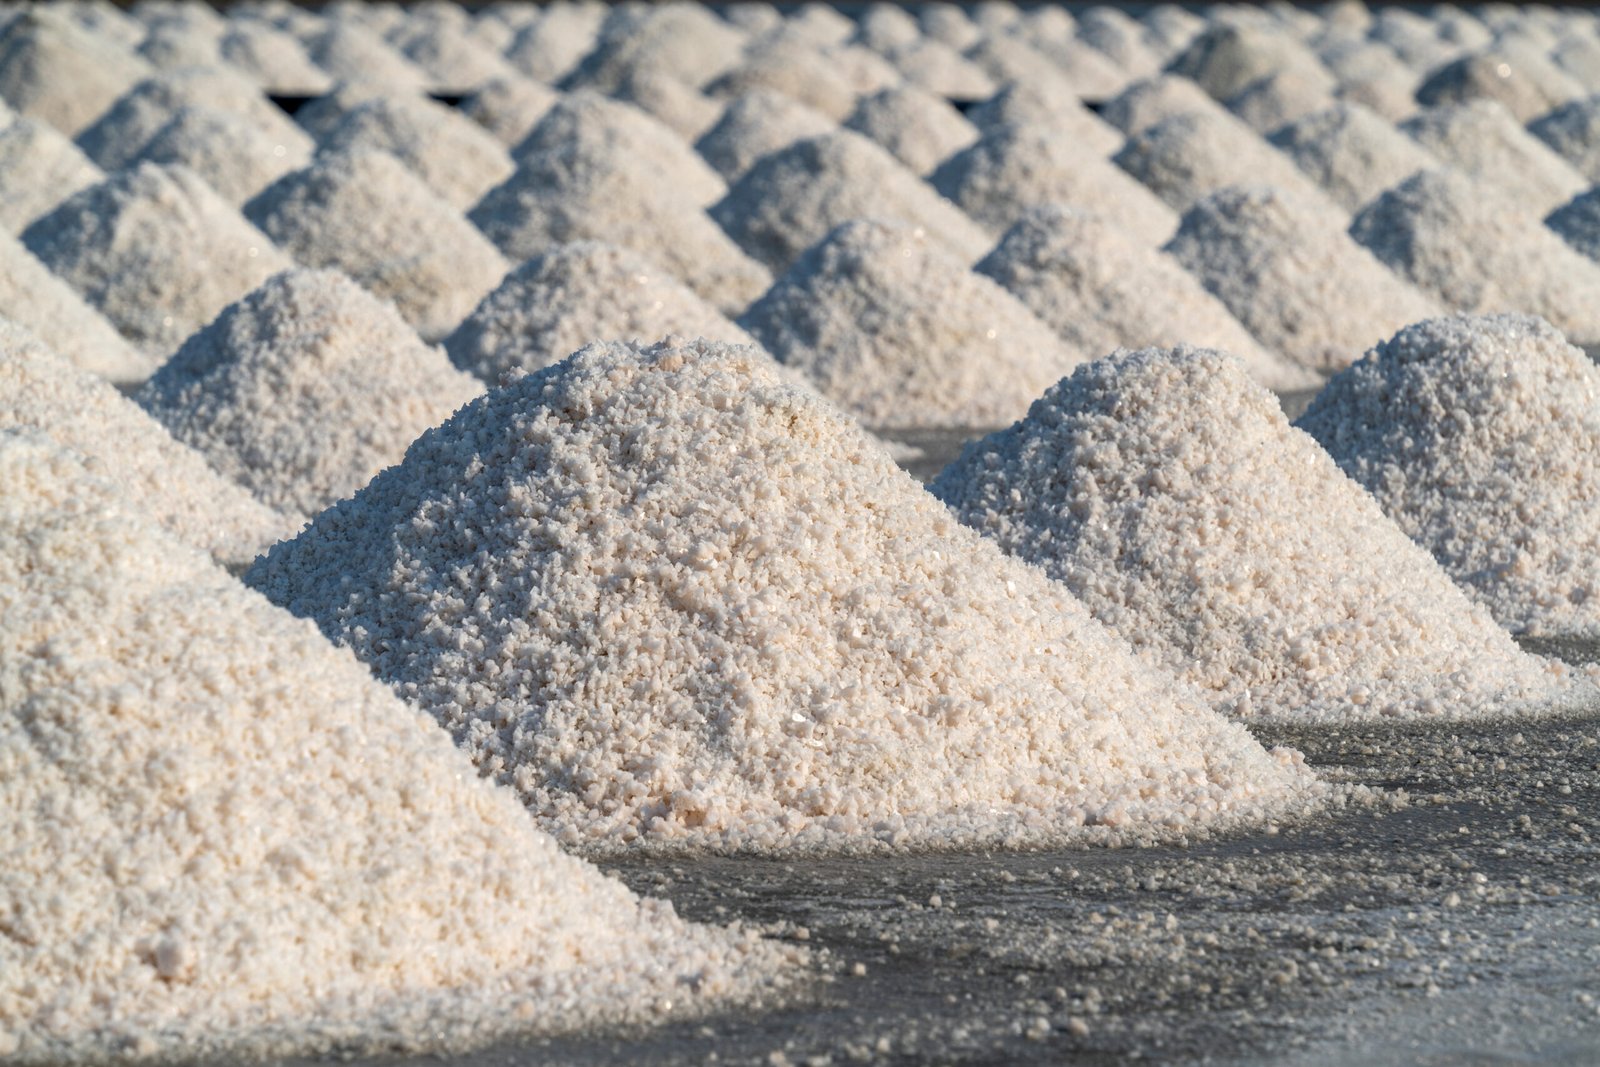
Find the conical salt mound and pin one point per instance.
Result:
(1092, 283)
(1281, 98)
(672, 599)
(352, 52)
(1481, 138)
(894, 329)
(155, 251)
(548, 48)
(1287, 269)
(1572, 131)
(172, 483)
(1528, 85)
(272, 58)
(224, 840)
(227, 151)
(54, 70)
(686, 40)
(575, 294)
(754, 124)
(794, 197)
(1480, 438)
(1228, 56)
(457, 159)
(39, 168)
(509, 107)
(1352, 153)
(1145, 103)
(1171, 496)
(1029, 105)
(797, 70)
(366, 214)
(918, 128)
(304, 389)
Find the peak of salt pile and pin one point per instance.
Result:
(155, 251)
(322, 116)
(1481, 253)
(684, 39)
(752, 16)
(794, 197)
(174, 487)
(674, 600)
(1480, 138)
(455, 157)
(1281, 97)
(174, 43)
(271, 58)
(1028, 105)
(1147, 102)
(1227, 57)
(350, 52)
(366, 214)
(509, 107)
(1370, 74)
(573, 295)
(939, 69)
(1287, 269)
(236, 844)
(754, 124)
(1012, 59)
(39, 168)
(1170, 495)
(1413, 38)
(1121, 38)
(795, 69)
(54, 70)
(944, 21)
(548, 48)
(1170, 28)
(226, 151)
(1478, 436)
(884, 26)
(456, 61)
(1092, 73)
(1092, 283)
(304, 389)
(1572, 131)
(1352, 153)
(1527, 85)
(1014, 168)
(894, 329)
(918, 128)
(670, 100)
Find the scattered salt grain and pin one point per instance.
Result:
(1480, 138)
(39, 168)
(1352, 153)
(754, 124)
(682, 603)
(54, 70)
(223, 148)
(1528, 86)
(894, 329)
(1168, 492)
(918, 128)
(455, 157)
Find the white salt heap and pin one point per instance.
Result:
(1014, 168)
(549, 48)
(455, 157)
(33, 297)
(798, 71)
(1480, 138)
(1145, 103)
(39, 168)
(455, 60)
(883, 27)
(304, 389)
(271, 58)
(918, 128)
(672, 599)
(1481, 253)
(574, 294)
(1573, 132)
(670, 100)
(366, 214)
(351, 52)
(938, 69)
(1528, 85)
(1480, 438)
(1028, 105)
(1169, 494)
(171, 482)
(509, 107)
(227, 151)
(154, 250)
(1121, 38)
(1352, 153)
(54, 70)
(1012, 59)
(224, 840)
(894, 329)
(941, 20)
(794, 197)
(1282, 97)
(754, 124)
(686, 40)
(1093, 284)
(1370, 74)
(1093, 74)
(1288, 270)
(1227, 56)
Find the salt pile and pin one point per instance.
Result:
(864, 72)
(350, 52)
(1121, 38)
(1573, 132)
(883, 27)
(894, 329)
(686, 40)
(556, 303)
(33, 297)
(939, 69)
(1527, 85)
(1148, 102)
(754, 124)
(456, 158)
(1481, 138)
(1170, 28)
(1094, 76)
(1370, 74)
(39, 168)
(1227, 57)
(174, 487)
(917, 128)
(944, 21)
(548, 49)
(792, 643)
(670, 100)
(509, 107)
(1352, 153)
(366, 214)
(225, 840)
(1010, 59)
(155, 251)
(322, 116)
(1478, 437)
(304, 389)
(226, 151)
(1014, 168)
(1290, 273)
(1093, 284)
(1028, 105)
(1170, 495)
(1281, 97)
(455, 60)
(1481, 253)
(796, 70)
(53, 70)
(794, 197)
(271, 58)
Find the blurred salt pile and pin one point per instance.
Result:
(457, 159)
(753, 124)
(226, 150)
(1481, 138)
(1351, 152)
(39, 168)
(918, 128)
(55, 70)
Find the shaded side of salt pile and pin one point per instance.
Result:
(155, 251)
(1093, 285)
(39, 168)
(944, 21)
(938, 69)
(1573, 132)
(794, 197)
(1028, 105)
(304, 389)
(669, 100)
(227, 151)
(1014, 168)
(351, 52)
(1528, 86)
(1478, 437)
(917, 128)
(795, 646)
(1170, 495)
(366, 214)
(1227, 57)
(1480, 138)
(896, 330)
(456, 158)
(1478, 252)
(756, 123)
(1288, 270)
(509, 107)
(223, 839)
(1147, 102)
(575, 294)
(1352, 153)
(549, 48)
(1282, 97)
(172, 483)
(1169, 29)
(54, 70)
(271, 58)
